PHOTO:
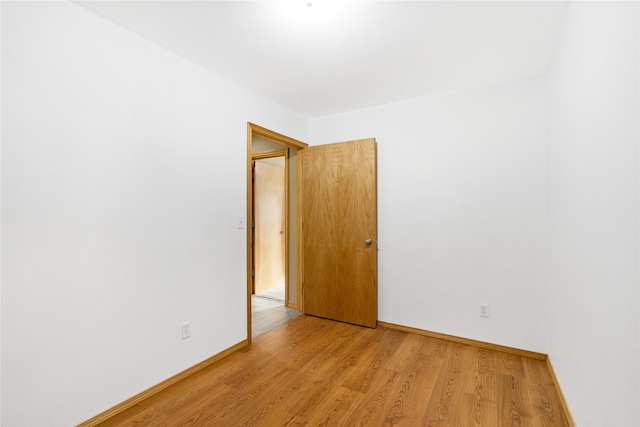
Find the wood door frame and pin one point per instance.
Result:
(255, 130)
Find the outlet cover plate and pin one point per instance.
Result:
(484, 310)
(186, 330)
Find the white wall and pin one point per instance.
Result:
(593, 212)
(0, 218)
(461, 209)
(118, 215)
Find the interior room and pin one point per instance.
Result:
(507, 176)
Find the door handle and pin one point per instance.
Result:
(367, 242)
(282, 231)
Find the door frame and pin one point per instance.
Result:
(255, 130)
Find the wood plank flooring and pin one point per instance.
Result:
(316, 372)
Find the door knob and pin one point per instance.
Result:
(367, 242)
(282, 231)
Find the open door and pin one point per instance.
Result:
(339, 215)
(269, 219)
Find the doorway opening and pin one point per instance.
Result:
(272, 232)
(270, 290)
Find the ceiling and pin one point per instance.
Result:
(338, 56)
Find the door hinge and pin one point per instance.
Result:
(253, 175)
(253, 273)
(253, 224)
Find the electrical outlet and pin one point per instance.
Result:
(484, 310)
(186, 330)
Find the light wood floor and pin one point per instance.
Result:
(316, 372)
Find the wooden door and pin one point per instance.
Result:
(269, 230)
(339, 215)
